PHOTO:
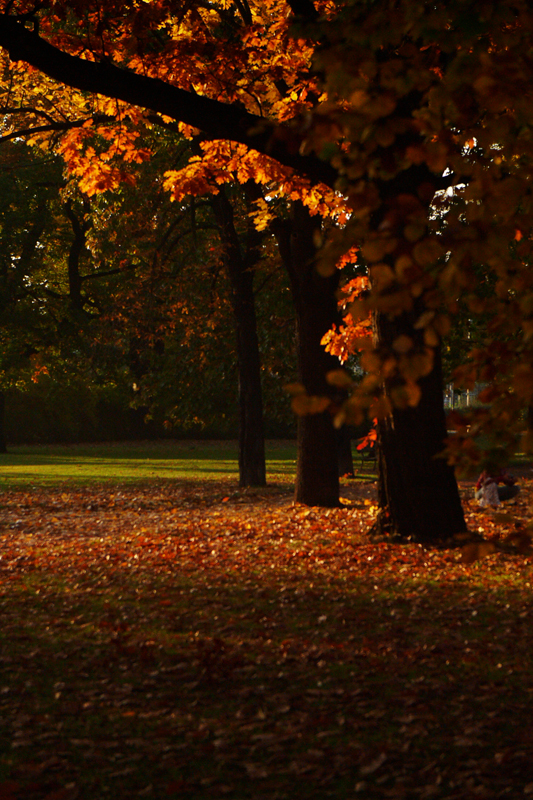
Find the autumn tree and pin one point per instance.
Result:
(249, 43)
(401, 103)
(436, 174)
(289, 89)
(179, 298)
(241, 260)
(143, 299)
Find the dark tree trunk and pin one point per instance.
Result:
(417, 490)
(344, 452)
(418, 494)
(240, 267)
(315, 302)
(77, 248)
(252, 467)
(3, 443)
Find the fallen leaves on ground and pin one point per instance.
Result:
(178, 640)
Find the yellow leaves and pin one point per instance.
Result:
(94, 170)
(39, 371)
(223, 162)
(355, 287)
(261, 215)
(191, 180)
(350, 257)
(347, 339)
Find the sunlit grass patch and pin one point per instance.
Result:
(141, 462)
(136, 462)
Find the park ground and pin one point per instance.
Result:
(166, 635)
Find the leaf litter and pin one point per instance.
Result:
(185, 640)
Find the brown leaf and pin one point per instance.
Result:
(476, 551)
(256, 770)
(374, 765)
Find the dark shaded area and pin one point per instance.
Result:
(396, 697)
(65, 416)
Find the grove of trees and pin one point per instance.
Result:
(389, 135)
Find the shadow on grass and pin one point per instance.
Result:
(271, 686)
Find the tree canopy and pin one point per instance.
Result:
(408, 125)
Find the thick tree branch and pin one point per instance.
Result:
(215, 119)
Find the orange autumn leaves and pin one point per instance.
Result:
(187, 528)
(242, 54)
(353, 335)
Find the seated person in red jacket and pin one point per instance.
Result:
(488, 489)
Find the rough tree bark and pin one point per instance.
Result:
(417, 490)
(315, 303)
(240, 265)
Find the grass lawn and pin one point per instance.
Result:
(136, 461)
(141, 461)
(182, 639)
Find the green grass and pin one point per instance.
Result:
(87, 464)
(136, 461)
